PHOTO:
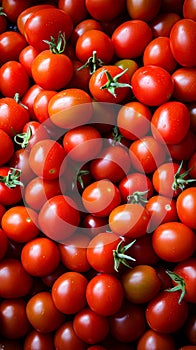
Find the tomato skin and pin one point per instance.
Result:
(151, 340)
(20, 223)
(28, 98)
(72, 7)
(13, 8)
(40, 256)
(38, 27)
(173, 241)
(105, 10)
(11, 44)
(192, 165)
(169, 316)
(59, 218)
(104, 294)
(141, 284)
(183, 48)
(129, 220)
(42, 313)
(11, 271)
(184, 84)
(65, 337)
(41, 341)
(152, 85)
(186, 207)
(131, 45)
(69, 292)
(162, 24)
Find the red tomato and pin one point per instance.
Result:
(186, 207)
(26, 57)
(35, 339)
(29, 97)
(184, 149)
(7, 147)
(13, 79)
(173, 241)
(143, 10)
(81, 76)
(40, 105)
(65, 337)
(129, 220)
(3, 21)
(11, 44)
(152, 85)
(20, 160)
(170, 316)
(104, 294)
(142, 252)
(20, 223)
(162, 24)
(42, 313)
(130, 65)
(59, 218)
(44, 23)
(183, 48)
(40, 256)
(69, 292)
(33, 132)
(184, 84)
(130, 38)
(10, 186)
(76, 9)
(189, 9)
(12, 271)
(160, 341)
(105, 10)
(3, 241)
(82, 27)
(135, 188)
(94, 224)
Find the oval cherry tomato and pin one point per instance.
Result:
(184, 84)
(7, 147)
(135, 188)
(189, 9)
(159, 340)
(11, 44)
(143, 10)
(76, 9)
(65, 337)
(39, 340)
(186, 207)
(105, 10)
(26, 57)
(13, 79)
(162, 24)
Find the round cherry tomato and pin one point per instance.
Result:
(7, 147)
(76, 9)
(40, 105)
(35, 339)
(28, 98)
(105, 10)
(189, 9)
(185, 149)
(135, 188)
(65, 337)
(143, 10)
(13, 9)
(186, 207)
(13, 79)
(82, 27)
(151, 339)
(162, 24)
(3, 242)
(11, 44)
(26, 57)
(184, 84)
(173, 241)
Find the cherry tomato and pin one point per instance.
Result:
(143, 10)
(142, 252)
(162, 24)
(13, 79)
(28, 98)
(184, 84)
(135, 187)
(82, 27)
(7, 147)
(151, 339)
(3, 243)
(173, 241)
(189, 9)
(40, 104)
(13, 9)
(186, 206)
(35, 339)
(105, 10)
(185, 149)
(76, 9)
(65, 337)
(26, 57)
(3, 22)
(20, 160)
(10, 186)
(11, 44)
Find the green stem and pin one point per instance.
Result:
(179, 179)
(11, 180)
(23, 138)
(92, 63)
(112, 82)
(119, 254)
(180, 284)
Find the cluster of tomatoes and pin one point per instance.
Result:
(97, 175)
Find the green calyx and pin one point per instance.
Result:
(138, 197)
(57, 46)
(23, 138)
(92, 63)
(119, 254)
(11, 180)
(79, 177)
(2, 13)
(112, 82)
(180, 284)
(179, 179)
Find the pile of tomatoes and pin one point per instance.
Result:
(97, 175)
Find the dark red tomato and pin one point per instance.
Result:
(129, 220)
(11, 344)
(74, 253)
(166, 281)
(140, 284)
(13, 8)
(172, 5)
(65, 337)
(104, 294)
(13, 116)
(3, 244)
(10, 186)
(69, 292)
(82, 27)
(37, 340)
(184, 149)
(135, 187)
(40, 256)
(162, 209)
(190, 327)
(183, 47)
(184, 84)
(142, 252)
(189, 9)
(162, 24)
(143, 10)
(146, 154)
(29, 97)
(44, 23)
(7, 147)
(165, 314)
(151, 340)
(12, 271)
(38, 191)
(13, 79)
(20, 223)
(94, 224)
(3, 22)
(76, 9)
(113, 164)
(82, 143)
(130, 38)
(192, 166)
(158, 53)
(109, 84)
(186, 207)
(170, 122)
(188, 347)
(14, 321)
(152, 85)
(70, 108)
(47, 68)
(25, 14)
(133, 120)
(96, 347)
(90, 327)
(105, 10)
(49, 279)
(59, 218)
(47, 159)
(101, 197)
(33, 132)
(11, 44)
(173, 241)
(20, 161)
(26, 57)
(40, 104)
(80, 78)
(94, 40)
(42, 313)
(128, 324)
(192, 110)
